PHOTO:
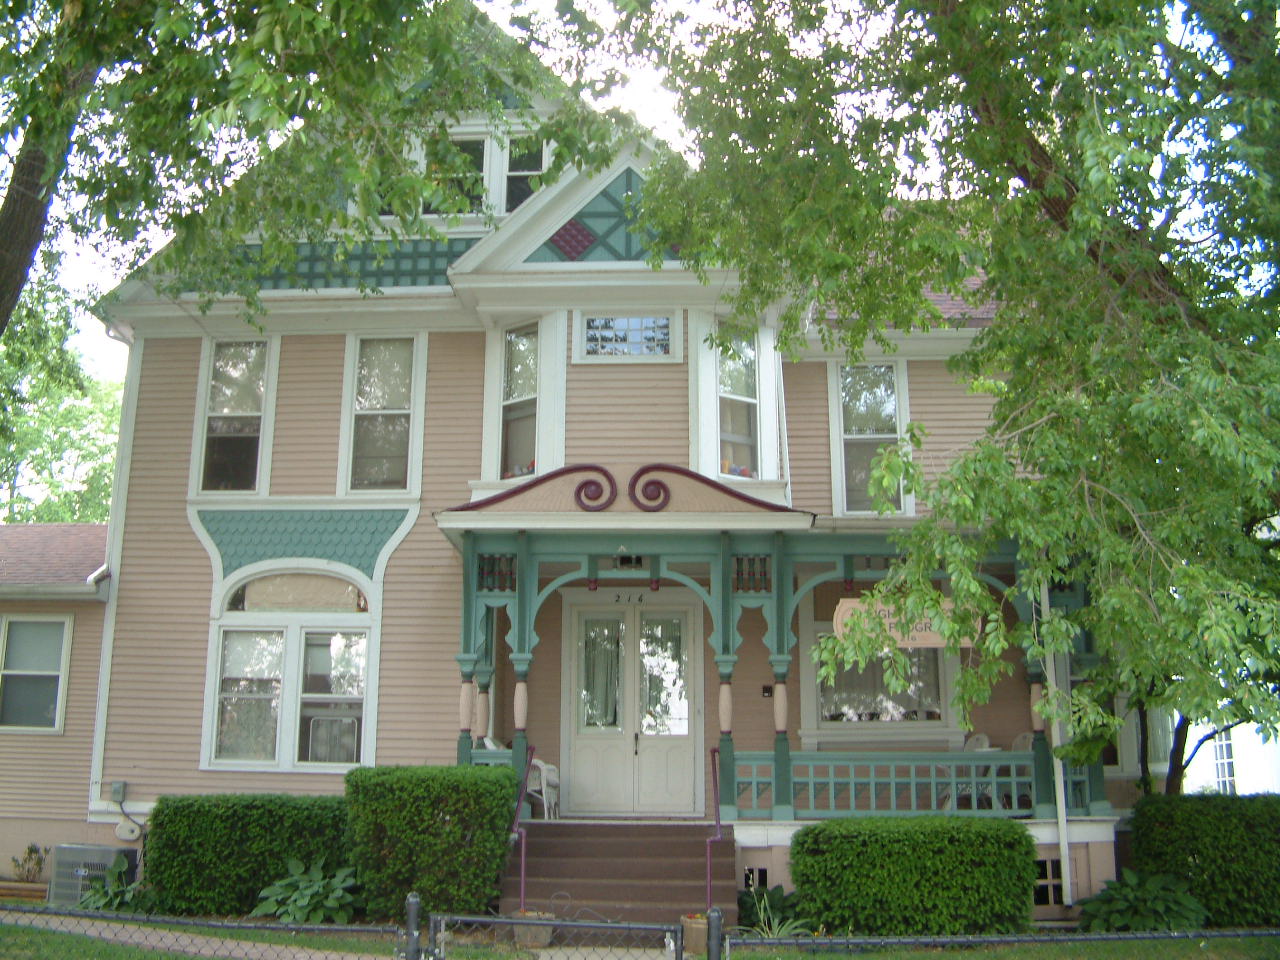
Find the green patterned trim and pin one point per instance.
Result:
(352, 537)
(601, 231)
(405, 263)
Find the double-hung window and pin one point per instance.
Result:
(34, 652)
(234, 414)
(525, 163)
(465, 180)
(739, 397)
(292, 672)
(519, 402)
(870, 417)
(382, 416)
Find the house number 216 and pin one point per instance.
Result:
(628, 598)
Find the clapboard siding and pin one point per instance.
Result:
(808, 435)
(953, 418)
(304, 459)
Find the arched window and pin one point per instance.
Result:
(292, 675)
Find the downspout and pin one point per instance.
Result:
(1059, 775)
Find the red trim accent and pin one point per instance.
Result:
(656, 494)
(587, 495)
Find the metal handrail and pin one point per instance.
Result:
(517, 830)
(715, 794)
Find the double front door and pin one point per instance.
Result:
(633, 707)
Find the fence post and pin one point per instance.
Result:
(715, 933)
(412, 921)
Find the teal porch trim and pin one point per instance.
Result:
(355, 538)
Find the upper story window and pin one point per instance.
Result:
(627, 338)
(234, 415)
(382, 413)
(526, 161)
(520, 402)
(739, 401)
(468, 184)
(292, 683)
(34, 653)
(870, 414)
(736, 415)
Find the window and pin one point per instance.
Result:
(609, 338)
(519, 402)
(382, 414)
(525, 164)
(464, 178)
(292, 671)
(233, 415)
(739, 411)
(34, 652)
(1224, 764)
(862, 696)
(869, 420)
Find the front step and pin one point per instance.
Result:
(643, 872)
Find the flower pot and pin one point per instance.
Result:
(534, 935)
(695, 934)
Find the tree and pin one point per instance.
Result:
(1107, 172)
(58, 427)
(124, 120)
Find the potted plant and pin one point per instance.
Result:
(695, 932)
(534, 934)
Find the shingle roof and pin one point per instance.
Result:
(51, 554)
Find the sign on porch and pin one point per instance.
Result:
(920, 634)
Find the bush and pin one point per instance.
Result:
(1138, 902)
(918, 875)
(439, 831)
(211, 854)
(1227, 849)
(310, 895)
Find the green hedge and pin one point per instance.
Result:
(1226, 848)
(210, 855)
(914, 875)
(439, 831)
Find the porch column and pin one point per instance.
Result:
(1042, 761)
(466, 710)
(778, 619)
(480, 724)
(783, 799)
(728, 767)
(520, 720)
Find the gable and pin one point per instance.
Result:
(601, 230)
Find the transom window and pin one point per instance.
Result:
(233, 415)
(33, 672)
(519, 402)
(381, 418)
(292, 674)
(627, 336)
(739, 411)
(869, 421)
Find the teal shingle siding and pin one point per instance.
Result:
(353, 537)
(407, 263)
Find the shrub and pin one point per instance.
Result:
(918, 875)
(439, 831)
(212, 854)
(1227, 849)
(1137, 902)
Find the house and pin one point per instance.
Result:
(514, 499)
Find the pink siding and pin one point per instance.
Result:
(304, 461)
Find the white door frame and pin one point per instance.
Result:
(622, 599)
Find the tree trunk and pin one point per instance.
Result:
(24, 215)
(1144, 744)
(1173, 780)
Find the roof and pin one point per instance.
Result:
(52, 558)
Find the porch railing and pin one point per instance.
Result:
(990, 784)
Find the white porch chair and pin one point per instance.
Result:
(544, 785)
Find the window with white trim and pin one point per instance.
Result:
(869, 417)
(233, 415)
(739, 404)
(34, 653)
(290, 687)
(864, 696)
(627, 338)
(519, 402)
(526, 162)
(381, 416)
(466, 189)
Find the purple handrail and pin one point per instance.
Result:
(715, 796)
(516, 828)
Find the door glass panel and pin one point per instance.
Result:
(600, 700)
(664, 701)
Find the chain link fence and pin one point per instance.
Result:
(536, 936)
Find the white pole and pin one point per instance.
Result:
(1059, 774)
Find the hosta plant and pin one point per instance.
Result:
(113, 893)
(309, 895)
(1142, 902)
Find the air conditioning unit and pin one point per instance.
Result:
(77, 865)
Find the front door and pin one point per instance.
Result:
(633, 708)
